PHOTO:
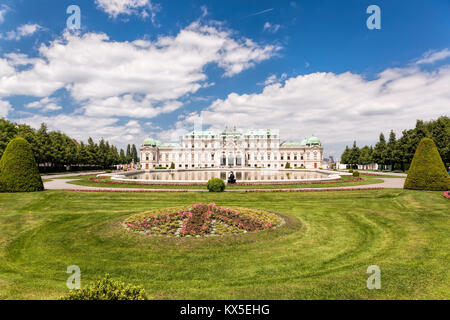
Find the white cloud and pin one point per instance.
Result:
(3, 10)
(45, 105)
(272, 28)
(338, 108)
(82, 127)
(114, 8)
(140, 78)
(273, 79)
(5, 108)
(433, 56)
(25, 30)
(129, 106)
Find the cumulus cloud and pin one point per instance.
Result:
(149, 75)
(130, 106)
(336, 107)
(25, 30)
(5, 108)
(81, 127)
(114, 8)
(433, 56)
(45, 105)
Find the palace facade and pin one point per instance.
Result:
(231, 148)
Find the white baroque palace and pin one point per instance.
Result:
(232, 148)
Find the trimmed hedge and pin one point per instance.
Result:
(107, 289)
(18, 168)
(356, 173)
(427, 171)
(215, 185)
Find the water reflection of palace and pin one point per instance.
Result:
(232, 148)
(256, 175)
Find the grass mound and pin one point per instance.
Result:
(202, 220)
(427, 171)
(18, 168)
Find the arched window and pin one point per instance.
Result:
(238, 160)
(230, 160)
(223, 160)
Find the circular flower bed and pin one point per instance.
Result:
(202, 220)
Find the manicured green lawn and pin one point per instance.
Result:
(322, 253)
(84, 181)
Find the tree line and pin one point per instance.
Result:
(397, 154)
(54, 150)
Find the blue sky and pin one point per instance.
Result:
(140, 67)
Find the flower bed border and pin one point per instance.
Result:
(101, 180)
(235, 190)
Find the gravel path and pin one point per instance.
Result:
(61, 184)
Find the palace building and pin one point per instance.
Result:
(232, 148)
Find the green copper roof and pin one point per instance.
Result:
(151, 142)
(290, 144)
(304, 142)
(313, 141)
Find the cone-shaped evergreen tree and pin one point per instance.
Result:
(18, 168)
(427, 171)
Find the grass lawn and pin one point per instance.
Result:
(321, 253)
(84, 181)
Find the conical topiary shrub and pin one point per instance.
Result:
(427, 171)
(18, 169)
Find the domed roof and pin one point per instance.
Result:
(304, 142)
(314, 141)
(290, 144)
(151, 142)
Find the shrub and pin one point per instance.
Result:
(427, 171)
(350, 170)
(215, 185)
(287, 166)
(107, 289)
(108, 171)
(172, 166)
(18, 168)
(356, 173)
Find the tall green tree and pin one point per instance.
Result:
(379, 152)
(129, 156)
(123, 158)
(354, 155)
(134, 154)
(365, 155)
(345, 157)
(393, 156)
(8, 131)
